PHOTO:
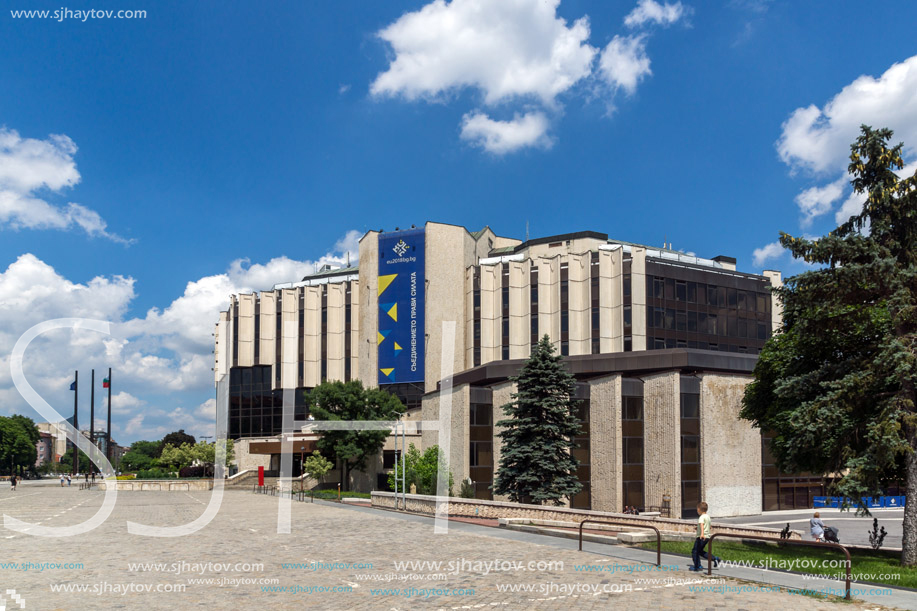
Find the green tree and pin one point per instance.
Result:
(420, 470)
(836, 385)
(317, 466)
(18, 436)
(66, 462)
(350, 401)
(205, 453)
(176, 457)
(176, 439)
(536, 465)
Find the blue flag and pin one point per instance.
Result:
(72, 385)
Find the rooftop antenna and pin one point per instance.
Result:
(526, 231)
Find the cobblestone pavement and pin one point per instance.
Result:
(357, 551)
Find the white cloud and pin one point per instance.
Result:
(503, 48)
(816, 201)
(648, 11)
(163, 358)
(500, 137)
(818, 139)
(624, 62)
(519, 54)
(27, 166)
(766, 253)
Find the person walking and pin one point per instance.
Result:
(62, 478)
(13, 483)
(69, 480)
(704, 532)
(817, 527)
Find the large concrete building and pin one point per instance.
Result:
(661, 343)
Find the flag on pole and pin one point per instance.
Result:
(106, 383)
(72, 385)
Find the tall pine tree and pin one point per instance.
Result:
(837, 385)
(536, 465)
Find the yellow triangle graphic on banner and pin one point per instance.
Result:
(393, 312)
(384, 281)
(379, 338)
(397, 347)
(388, 371)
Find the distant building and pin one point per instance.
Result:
(45, 449)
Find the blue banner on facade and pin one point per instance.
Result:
(400, 340)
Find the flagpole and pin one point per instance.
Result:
(76, 425)
(92, 413)
(108, 428)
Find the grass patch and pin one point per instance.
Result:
(332, 494)
(864, 566)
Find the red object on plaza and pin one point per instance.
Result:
(260, 476)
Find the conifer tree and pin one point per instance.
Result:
(837, 384)
(536, 465)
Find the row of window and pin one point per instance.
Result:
(711, 324)
(700, 293)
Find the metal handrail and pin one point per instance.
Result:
(710, 555)
(658, 535)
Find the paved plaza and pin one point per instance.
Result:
(336, 558)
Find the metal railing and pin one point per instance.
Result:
(710, 555)
(658, 534)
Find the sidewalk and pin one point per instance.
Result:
(902, 599)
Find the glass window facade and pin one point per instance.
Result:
(633, 451)
(254, 409)
(481, 455)
(690, 454)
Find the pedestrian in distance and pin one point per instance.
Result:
(12, 483)
(62, 478)
(69, 480)
(704, 532)
(817, 527)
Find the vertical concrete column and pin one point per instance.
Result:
(312, 335)
(638, 297)
(268, 331)
(335, 335)
(222, 343)
(459, 430)
(469, 318)
(289, 332)
(246, 324)
(605, 443)
(502, 394)
(368, 301)
(549, 299)
(579, 303)
(662, 439)
(730, 448)
(776, 279)
(520, 332)
(491, 313)
(449, 251)
(611, 299)
(354, 329)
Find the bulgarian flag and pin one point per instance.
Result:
(106, 383)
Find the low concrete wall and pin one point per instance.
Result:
(159, 485)
(474, 508)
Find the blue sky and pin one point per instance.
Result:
(202, 135)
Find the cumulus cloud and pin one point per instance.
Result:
(500, 137)
(28, 166)
(624, 63)
(767, 253)
(160, 360)
(502, 48)
(816, 201)
(649, 11)
(816, 141)
(513, 53)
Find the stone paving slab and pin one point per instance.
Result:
(347, 559)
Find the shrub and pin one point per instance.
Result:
(467, 489)
(155, 474)
(192, 472)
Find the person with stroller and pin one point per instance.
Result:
(817, 528)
